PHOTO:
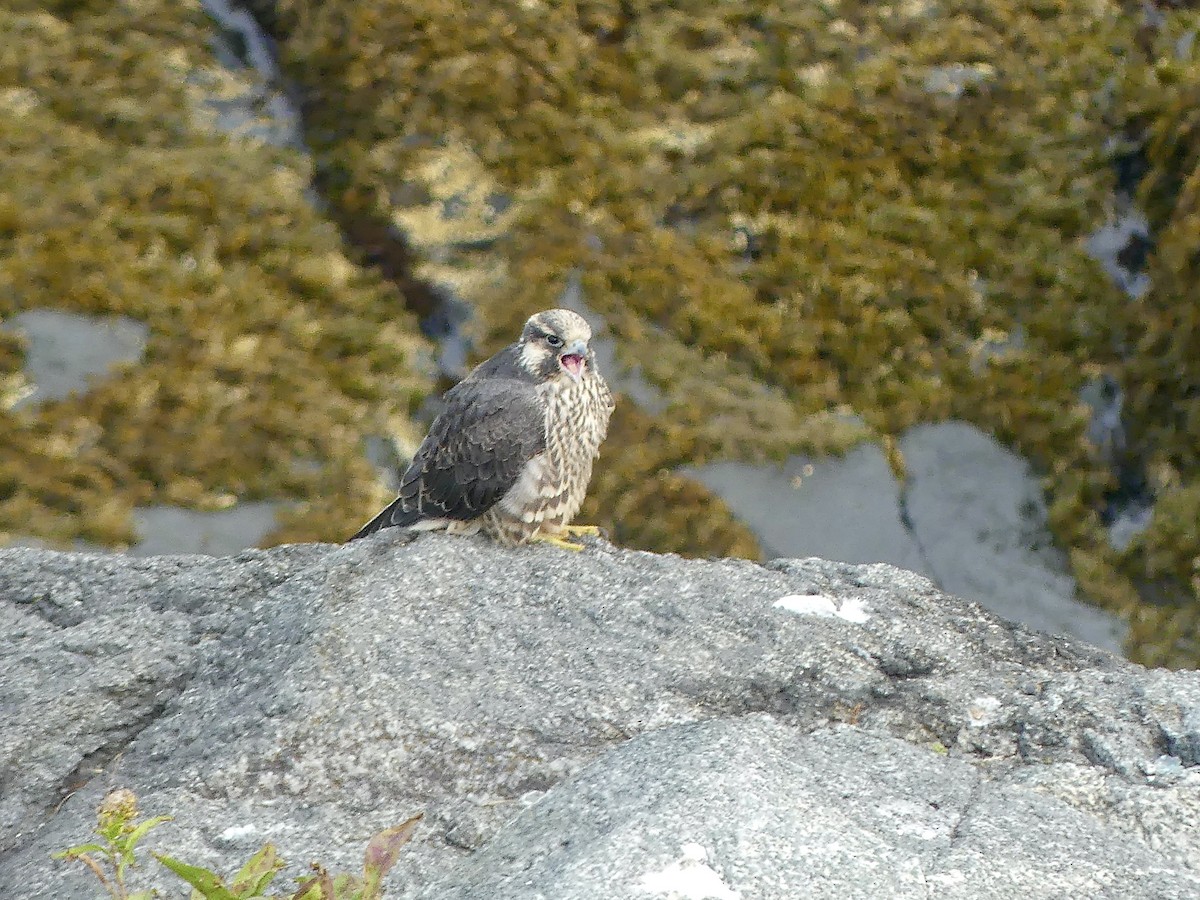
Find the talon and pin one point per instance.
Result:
(581, 529)
(563, 543)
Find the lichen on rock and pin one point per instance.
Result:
(270, 352)
(849, 203)
(1161, 370)
(788, 214)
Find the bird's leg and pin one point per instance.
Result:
(554, 539)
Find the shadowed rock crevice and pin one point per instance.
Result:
(906, 520)
(99, 760)
(365, 226)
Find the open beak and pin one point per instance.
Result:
(572, 359)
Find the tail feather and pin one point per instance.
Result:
(392, 516)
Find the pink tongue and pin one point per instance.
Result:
(572, 363)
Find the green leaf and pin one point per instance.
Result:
(140, 832)
(318, 886)
(308, 889)
(124, 856)
(325, 882)
(123, 860)
(208, 884)
(382, 852)
(257, 873)
(111, 829)
(345, 887)
(72, 852)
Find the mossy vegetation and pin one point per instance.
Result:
(877, 208)
(270, 354)
(793, 216)
(1162, 371)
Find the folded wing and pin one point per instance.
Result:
(474, 453)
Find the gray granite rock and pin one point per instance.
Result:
(969, 515)
(95, 649)
(173, 530)
(699, 714)
(750, 808)
(68, 349)
(976, 510)
(845, 508)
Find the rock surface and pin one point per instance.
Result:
(170, 530)
(843, 508)
(977, 511)
(608, 723)
(751, 808)
(67, 350)
(970, 515)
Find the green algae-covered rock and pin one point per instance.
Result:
(876, 208)
(793, 215)
(270, 353)
(1161, 373)
(1166, 556)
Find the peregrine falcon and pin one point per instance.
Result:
(511, 452)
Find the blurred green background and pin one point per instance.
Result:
(805, 227)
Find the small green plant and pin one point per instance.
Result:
(118, 825)
(257, 874)
(251, 880)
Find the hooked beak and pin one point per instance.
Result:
(572, 359)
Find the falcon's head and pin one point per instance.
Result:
(555, 342)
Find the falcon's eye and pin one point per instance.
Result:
(554, 340)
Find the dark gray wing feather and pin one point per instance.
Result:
(474, 452)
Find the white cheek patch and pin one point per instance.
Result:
(531, 357)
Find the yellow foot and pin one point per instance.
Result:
(540, 538)
(580, 529)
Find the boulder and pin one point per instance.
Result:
(977, 512)
(599, 724)
(969, 515)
